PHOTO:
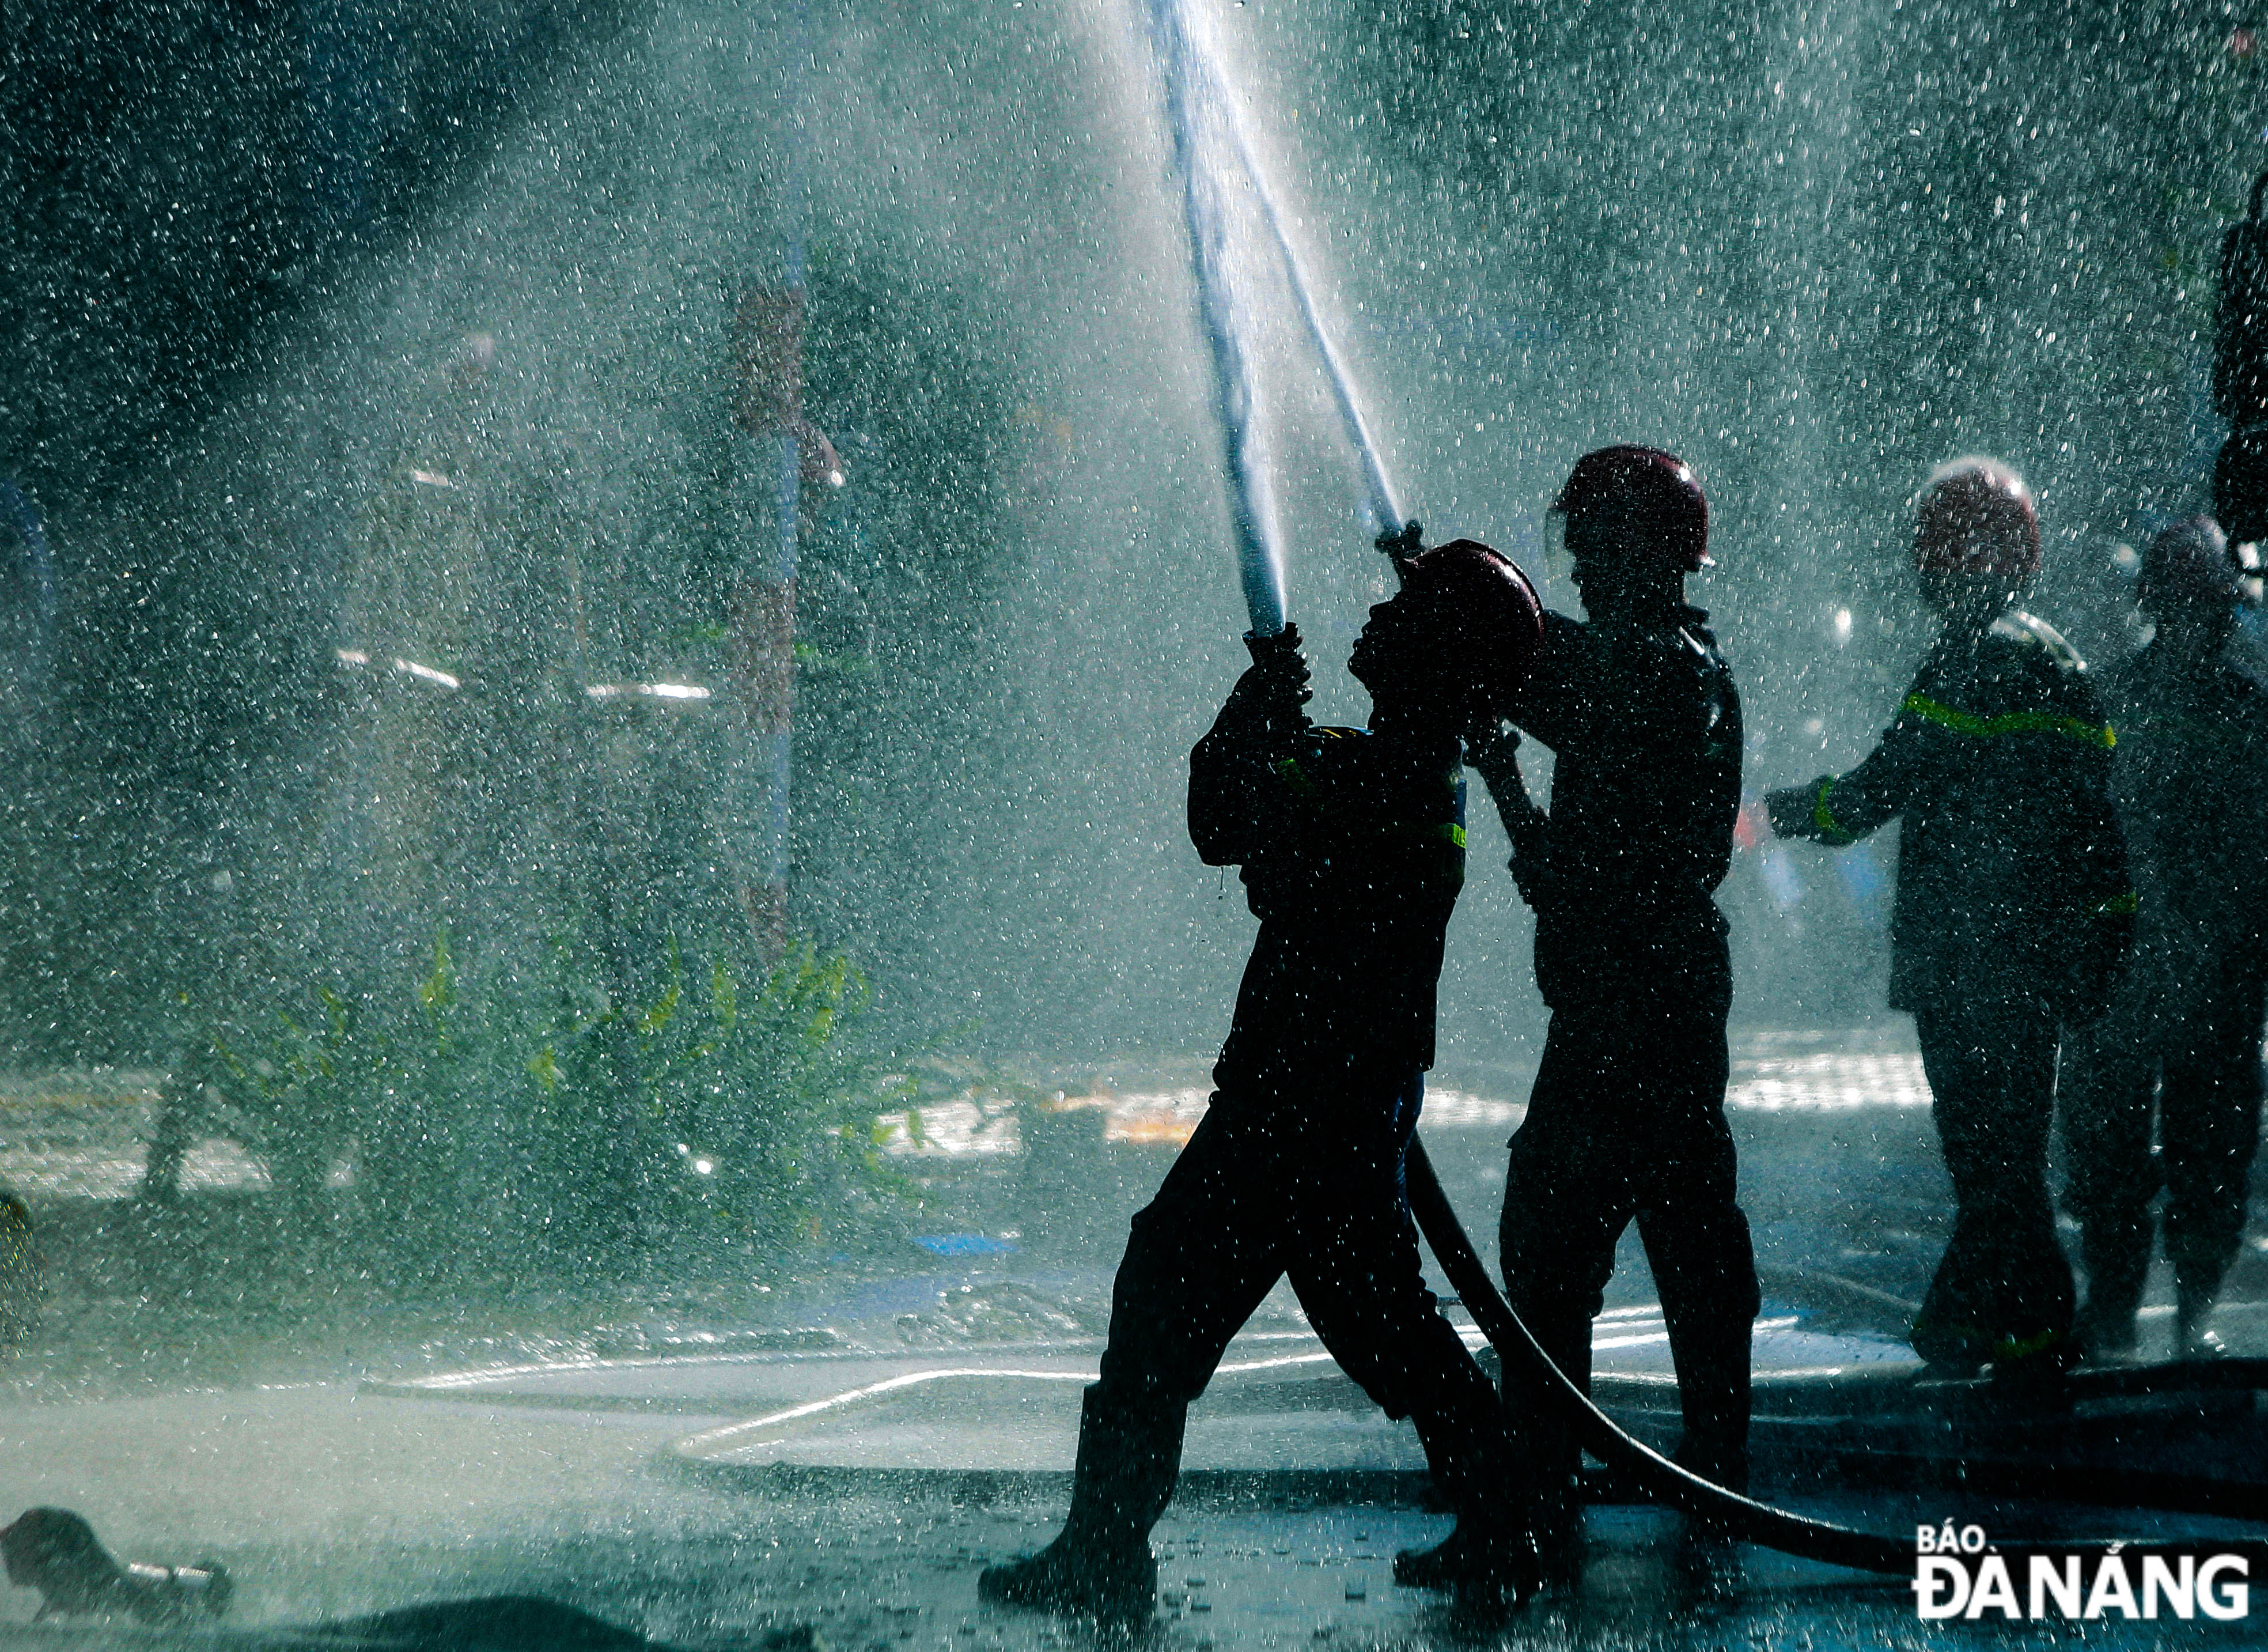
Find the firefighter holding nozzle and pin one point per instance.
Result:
(2014, 908)
(1627, 1117)
(1352, 844)
(2183, 1037)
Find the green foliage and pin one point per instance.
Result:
(520, 1117)
(295, 1085)
(767, 1102)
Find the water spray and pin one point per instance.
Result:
(1381, 515)
(1197, 115)
(1205, 128)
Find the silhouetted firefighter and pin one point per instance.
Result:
(1352, 849)
(2014, 908)
(1627, 1119)
(2181, 1041)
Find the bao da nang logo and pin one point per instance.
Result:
(1959, 1574)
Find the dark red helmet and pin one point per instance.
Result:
(1482, 608)
(1638, 498)
(1974, 518)
(2189, 566)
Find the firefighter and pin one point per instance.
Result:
(1627, 1120)
(2240, 486)
(2240, 377)
(1352, 849)
(2012, 908)
(2240, 331)
(2191, 776)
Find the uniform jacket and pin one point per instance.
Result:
(2191, 776)
(2240, 352)
(2011, 874)
(1644, 726)
(1352, 846)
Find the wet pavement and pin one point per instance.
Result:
(735, 1467)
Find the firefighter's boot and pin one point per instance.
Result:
(1100, 1567)
(2195, 1290)
(1491, 1556)
(2117, 1256)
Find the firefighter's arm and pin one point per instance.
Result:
(1808, 811)
(1836, 811)
(1496, 757)
(1551, 705)
(1239, 788)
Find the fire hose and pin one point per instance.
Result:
(1679, 1488)
(1666, 1482)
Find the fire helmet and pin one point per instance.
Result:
(1483, 610)
(1631, 499)
(2187, 566)
(1974, 521)
(2240, 485)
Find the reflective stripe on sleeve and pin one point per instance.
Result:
(1831, 830)
(1962, 722)
(1447, 831)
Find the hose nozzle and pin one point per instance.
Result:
(1400, 545)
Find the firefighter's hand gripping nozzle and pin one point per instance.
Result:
(1275, 687)
(55, 1552)
(1399, 545)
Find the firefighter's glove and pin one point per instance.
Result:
(1276, 687)
(2098, 963)
(1493, 753)
(1400, 544)
(1793, 812)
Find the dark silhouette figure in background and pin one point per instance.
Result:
(1352, 849)
(2013, 911)
(2191, 775)
(2240, 377)
(2240, 487)
(19, 1271)
(1627, 1119)
(2240, 332)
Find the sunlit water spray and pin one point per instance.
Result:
(1216, 164)
(1380, 513)
(1207, 157)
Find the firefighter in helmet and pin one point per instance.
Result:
(2013, 909)
(1627, 1120)
(2240, 332)
(2182, 1037)
(1352, 844)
